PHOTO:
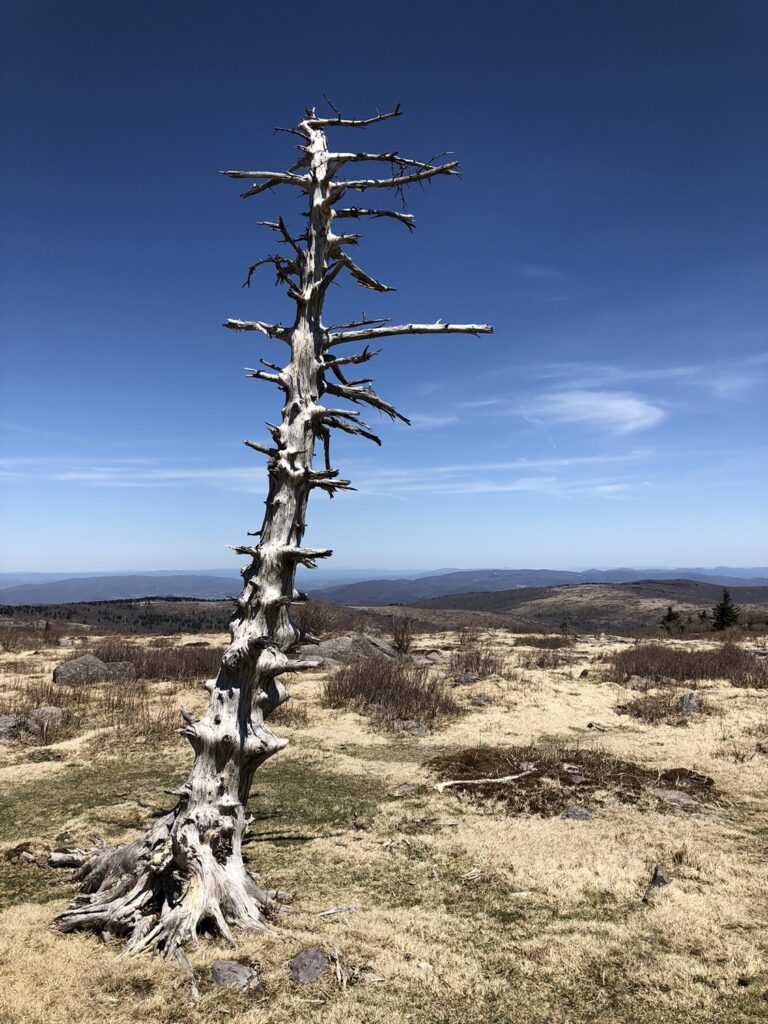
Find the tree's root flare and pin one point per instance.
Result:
(142, 896)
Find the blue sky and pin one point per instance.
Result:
(611, 224)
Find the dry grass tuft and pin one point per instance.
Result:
(660, 663)
(166, 660)
(667, 708)
(551, 643)
(477, 660)
(552, 777)
(389, 690)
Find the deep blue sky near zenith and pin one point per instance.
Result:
(611, 224)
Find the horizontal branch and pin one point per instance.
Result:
(270, 378)
(352, 428)
(398, 181)
(270, 330)
(365, 394)
(343, 122)
(342, 337)
(360, 357)
(363, 279)
(356, 212)
(262, 448)
(269, 178)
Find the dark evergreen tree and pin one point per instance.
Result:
(670, 620)
(725, 613)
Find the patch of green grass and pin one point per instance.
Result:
(43, 808)
(293, 795)
(27, 883)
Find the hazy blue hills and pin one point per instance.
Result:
(371, 593)
(342, 586)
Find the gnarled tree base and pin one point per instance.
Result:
(139, 893)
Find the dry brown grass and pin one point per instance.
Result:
(469, 914)
(547, 778)
(388, 690)
(664, 663)
(552, 643)
(477, 659)
(160, 659)
(666, 707)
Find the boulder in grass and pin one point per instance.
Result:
(233, 974)
(307, 966)
(347, 648)
(12, 727)
(89, 669)
(47, 716)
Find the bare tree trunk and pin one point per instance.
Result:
(188, 870)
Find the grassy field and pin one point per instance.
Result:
(461, 906)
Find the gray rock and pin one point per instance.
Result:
(347, 648)
(47, 716)
(690, 703)
(90, 669)
(675, 798)
(481, 699)
(14, 726)
(233, 974)
(411, 726)
(421, 661)
(405, 789)
(307, 966)
(638, 683)
(577, 813)
(466, 680)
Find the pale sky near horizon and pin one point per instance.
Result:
(611, 224)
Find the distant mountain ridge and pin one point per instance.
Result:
(373, 593)
(351, 589)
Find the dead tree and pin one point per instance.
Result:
(187, 870)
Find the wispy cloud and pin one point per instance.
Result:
(559, 477)
(727, 378)
(618, 411)
(535, 272)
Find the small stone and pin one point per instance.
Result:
(14, 726)
(466, 680)
(411, 726)
(424, 965)
(405, 789)
(577, 813)
(481, 699)
(307, 966)
(659, 877)
(233, 974)
(584, 673)
(47, 716)
(675, 798)
(690, 703)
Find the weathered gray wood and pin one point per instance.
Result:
(188, 868)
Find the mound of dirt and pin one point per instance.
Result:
(547, 779)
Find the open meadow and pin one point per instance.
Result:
(435, 896)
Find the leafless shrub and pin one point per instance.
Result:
(29, 636)
(476, 660)
(186, 663)
(468, 635)
(402, 632)
(553, 643)
(660, 663)
(325, 620)
(668, 708)
(388, 689)
(539, 659)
